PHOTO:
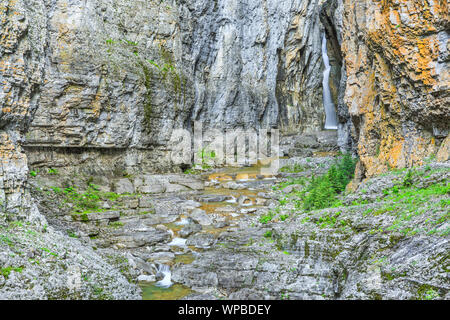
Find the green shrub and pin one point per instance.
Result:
(329, 220)
(321, 194)
(268, 234)
(85, 201)
(267, 217)
(116, 224)
(322, 191)
(72, 234)
(6, 271)
(408, 180)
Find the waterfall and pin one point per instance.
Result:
(177, 242)
(166, 282)
(182, 222)
(330, 111)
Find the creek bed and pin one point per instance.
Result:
(151, 291)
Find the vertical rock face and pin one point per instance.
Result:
(121, 75)
(114, 86)
(22, 40)
(101, 85)
(299, 82)
(331, 16)
(397, 68)
(255, 63)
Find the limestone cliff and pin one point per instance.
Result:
(22, 46)
(120, 76)
(397, 92)
(95, 88)
(100, 85)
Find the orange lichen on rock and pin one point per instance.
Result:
(220, 177)
(395, 80)
(395, 153)
(444, 150)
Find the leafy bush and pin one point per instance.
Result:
(321, 194)
(328, 220)
(52, 171)
(86, 200)
(268, 234)
(408, 180)
(6, 271)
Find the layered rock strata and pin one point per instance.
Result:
(397, 92)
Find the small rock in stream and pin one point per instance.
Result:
(146, 279)
(201, 240)
(221, 224)
(201, 217)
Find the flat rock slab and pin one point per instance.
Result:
(214, 198)
(145, 202)
(292, 187)
(146, 279)
(153, 184)
(201, 217)
(96, 216)
(233, 185)
(140, 239)
(187, 181)
(190, 229)
(161, 257)
(123, 186)
(201, 240)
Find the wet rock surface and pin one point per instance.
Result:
(51, 265)
(93, 95)
(307, 257)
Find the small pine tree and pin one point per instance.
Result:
(322, 191)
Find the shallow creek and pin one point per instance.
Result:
(157, 290)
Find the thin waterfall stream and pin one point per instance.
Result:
(166, 273)
(330, 111)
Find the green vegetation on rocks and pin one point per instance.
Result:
(6, 271)
(87, 200)
(323, 191)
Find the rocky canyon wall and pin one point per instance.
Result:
(22, 47)
(114, 86)
(120, 76)
(99, 86)
(397, 91)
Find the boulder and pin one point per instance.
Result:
(201, 217)
(123, 186)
